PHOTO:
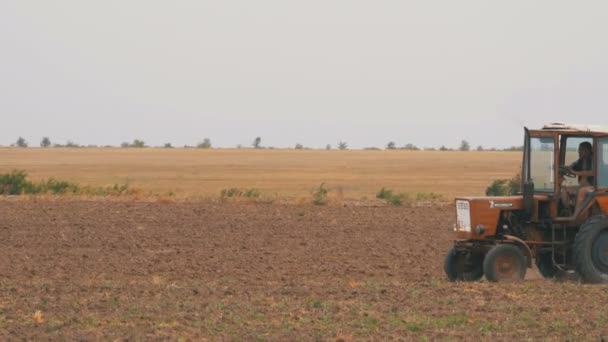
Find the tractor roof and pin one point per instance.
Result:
(562, 127)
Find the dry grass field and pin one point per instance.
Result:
(283, 173)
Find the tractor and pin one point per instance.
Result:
(500, 237)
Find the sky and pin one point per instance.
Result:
(312, 72)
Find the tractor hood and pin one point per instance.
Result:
(478, 217)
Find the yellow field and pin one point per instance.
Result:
(286, 173)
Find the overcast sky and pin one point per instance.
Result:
(312, 72)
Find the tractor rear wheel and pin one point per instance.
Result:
(463, 265)
(591, 250)
(505, 262)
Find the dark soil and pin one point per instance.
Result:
(96, 270)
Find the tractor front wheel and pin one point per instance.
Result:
(591, 250)
(463, 265)
(505, 262)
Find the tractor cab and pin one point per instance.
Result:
(548, 153)
(558, 219)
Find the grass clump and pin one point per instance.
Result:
(384, 193)
(406, 198)
(236, 192)
(319, 195)
(428, 197)
(393, 198)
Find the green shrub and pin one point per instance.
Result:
(236, 192)
(16, 183)
(395, 200)
(319, 196)
(60, 187)
(13, 183)
(251, 193)
(504, 187)
(384, 193)
(232, 192)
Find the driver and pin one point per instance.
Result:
(583, 168)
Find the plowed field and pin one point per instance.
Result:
(89, 270)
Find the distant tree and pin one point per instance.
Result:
(138, 143)
(21, 142)
(411, 147)
(299, 147)
(45, 142)
(205, 144)
(391, 145)
(239, 146)
(443, 148)
(71, 144)
(125, 145)
(168, 145)
(479, 148)
(257, 142)
(464, 146)
(520, 148)
(342, 145)
(328, 147)
(430, 149)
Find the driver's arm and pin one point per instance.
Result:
(587, 173)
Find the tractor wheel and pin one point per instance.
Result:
(546, 267)
(591, 250)
(505, 262)
(463, 266)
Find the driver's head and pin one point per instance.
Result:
(584, 149)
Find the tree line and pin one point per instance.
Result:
(257, 144)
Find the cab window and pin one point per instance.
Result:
(602, 170)
(571, 145)
(542, 163)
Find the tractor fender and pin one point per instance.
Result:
(524, 247)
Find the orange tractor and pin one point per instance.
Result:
(553, 221)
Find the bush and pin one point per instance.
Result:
(319, 196)
(13, 183)
(392, 198)
(251, 193)
(384, 193)
(16, 183)
(504, 187)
